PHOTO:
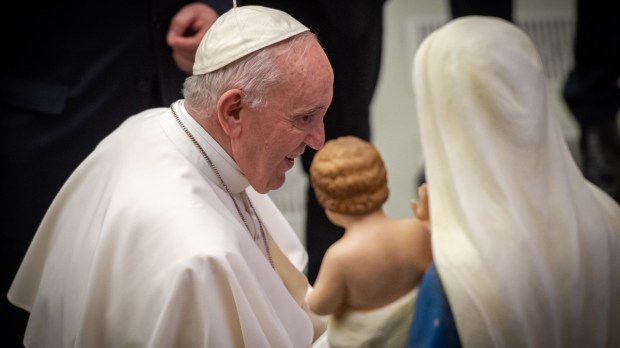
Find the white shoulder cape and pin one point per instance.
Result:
(140, 249)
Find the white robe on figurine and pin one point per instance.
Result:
(384, 327)
(143, 247)
(528, 251)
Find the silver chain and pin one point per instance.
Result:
(217, 173)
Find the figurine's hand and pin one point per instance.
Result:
(421, 210)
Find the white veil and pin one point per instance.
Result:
(527, 250)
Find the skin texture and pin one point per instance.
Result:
(378, 259)
(265, 141)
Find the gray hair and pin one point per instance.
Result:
(255, 75)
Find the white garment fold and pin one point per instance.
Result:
(528, 251)
(142, 247)
(387, 326)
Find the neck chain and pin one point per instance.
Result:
(217, 173)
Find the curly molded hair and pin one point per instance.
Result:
(349, 177)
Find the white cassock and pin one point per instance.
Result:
(528, 251)
(143, 247)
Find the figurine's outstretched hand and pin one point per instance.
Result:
(421, 210)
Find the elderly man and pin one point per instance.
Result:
(164, 235)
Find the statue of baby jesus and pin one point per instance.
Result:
(368, 279)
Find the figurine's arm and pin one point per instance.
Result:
(328, 294)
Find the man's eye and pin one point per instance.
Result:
(304, 121)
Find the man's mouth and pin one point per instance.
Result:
(292, 157)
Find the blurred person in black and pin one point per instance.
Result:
(73, 72)
(352, 34)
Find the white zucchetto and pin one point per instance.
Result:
(241, 31)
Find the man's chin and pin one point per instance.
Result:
(276, 183)
(271, 186)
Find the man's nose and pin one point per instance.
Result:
(316, 138)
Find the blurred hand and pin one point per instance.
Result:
(421, 210)
(186, 30)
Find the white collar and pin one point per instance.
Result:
(226, 165)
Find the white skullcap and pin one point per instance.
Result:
(241, 31)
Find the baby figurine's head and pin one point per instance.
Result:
(348, 176)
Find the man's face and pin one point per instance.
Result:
(274, 135)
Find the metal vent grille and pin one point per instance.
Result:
(291, 198)
(553, 36)
(552, 33)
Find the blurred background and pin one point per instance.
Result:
(550, 24)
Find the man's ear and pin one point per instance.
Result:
(229, 112)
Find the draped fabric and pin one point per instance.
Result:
(143, 247)
(387, 326)
(527, 249)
